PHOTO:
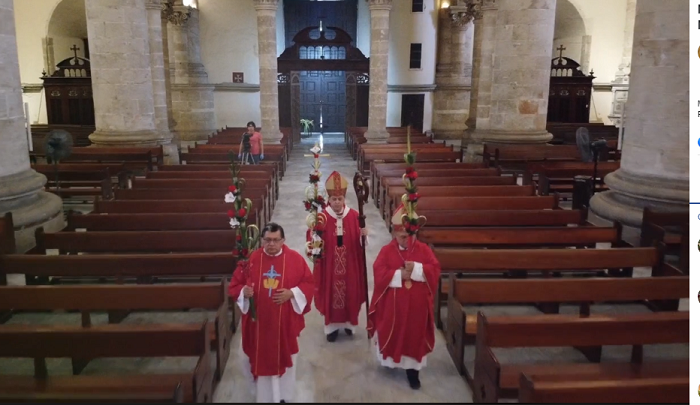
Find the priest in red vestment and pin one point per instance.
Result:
(281, 285)
(340, 274)
(400, 321)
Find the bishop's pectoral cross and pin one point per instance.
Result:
(561, 49)
(271, 281)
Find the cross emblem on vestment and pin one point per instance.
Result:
(75, 50)
(561, 49)
(271, 276)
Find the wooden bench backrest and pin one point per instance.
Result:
(489, 203)
(572, 330)
(179, 193)
(135, 241)
(378, 168)
(450, 181)
(188, 183)
(77, 175)
(118, 265)
(7, 234)
(532, 152)
(484, 291)
(114, 168)
(114, 297)
(466, 191)
(148, 222)
(29, 341)
(454, 259)
(448, 218)
(154, 206)
(444, 172)
(262, 174)
(560, 236)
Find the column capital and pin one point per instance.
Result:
(379, 4)
(154, 5)
(461, 15)
(477, 7)
(265, 5)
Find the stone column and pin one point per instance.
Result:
(444, 44)
(192, 95)
(451, 99)
(514, 73)
(267, 56)
(166, 10)
(654, 168)
(379, 11)
(122, 84)
(620, 85)
(20, 186)
(158, 73)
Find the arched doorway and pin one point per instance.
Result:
(323, 77)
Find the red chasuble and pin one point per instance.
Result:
(403, 317)
(340, 275)
(271, 339)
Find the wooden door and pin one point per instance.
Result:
(412, 109)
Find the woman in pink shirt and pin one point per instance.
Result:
(251, 147)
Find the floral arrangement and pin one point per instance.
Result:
(411, 221)
(247, 236)
(314, 204)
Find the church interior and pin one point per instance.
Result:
(550, 141)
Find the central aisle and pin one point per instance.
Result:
(346, 370)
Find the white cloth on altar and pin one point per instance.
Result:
(273, 389)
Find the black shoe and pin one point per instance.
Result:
(413, 380)
(282, 401)
(332, 337)
(348, 332)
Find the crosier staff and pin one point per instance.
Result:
(362, 191)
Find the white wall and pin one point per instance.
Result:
(229, 43)
(32, 21)
(406, 28)
(362, 42)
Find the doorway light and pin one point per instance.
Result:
(189, 3)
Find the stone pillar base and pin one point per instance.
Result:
(22, 194)
(630, 194)
(448, 133)
(376, 137)
(171, 154)
(191, 136)
(106, 138)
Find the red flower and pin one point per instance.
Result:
(235, 252)
(413, 197)
(244, 252)
(239, 237)
(241, 213)
(307, 205)
(231, 214)
(314, 178)
(232, 189)
(412, 175)
(410, 170)
(316, 155)
(320, 199)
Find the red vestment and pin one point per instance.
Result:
(403, 317)
(271, 339)
(340, 274)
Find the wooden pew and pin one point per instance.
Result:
(252, 177)
(376, 168)
(135, 158)
(40, 395)
(147, 222)
(672, 222)
(559, 176)
(520, 218)
(434, 155)
(636, 383)
(135, 241)
(105, 341)
(256, 216)
(220, 167)
(119, 266)
(488, 180)
(461, 328)
(484, 262)
(394, 194)
(399, 143)
(493, 380)
(80, 184)
(92, 298)
(515, 157)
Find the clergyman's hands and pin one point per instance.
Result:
(282, 295)
(365, 231)
(405, 274)
(410, 266)
(247, 292)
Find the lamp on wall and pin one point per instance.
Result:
(445, 4)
